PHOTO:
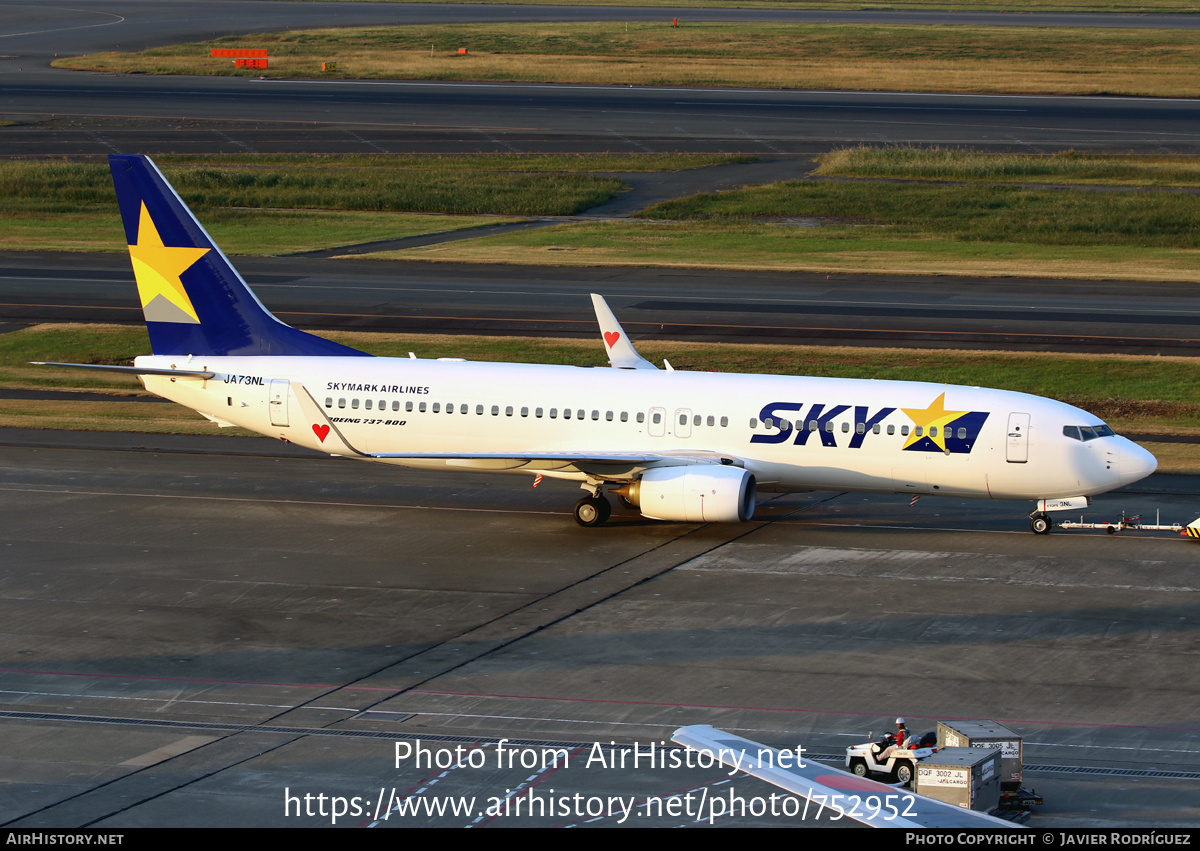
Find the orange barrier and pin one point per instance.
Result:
(234, 52)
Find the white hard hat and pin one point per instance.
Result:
(899, 721)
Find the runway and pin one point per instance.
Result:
(63, 112)
(675, 304)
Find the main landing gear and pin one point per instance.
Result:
(1040, 523)
(592, 510)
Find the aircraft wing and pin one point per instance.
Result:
(621, 353)
(867, 801)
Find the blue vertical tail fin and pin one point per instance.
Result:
(194, 301)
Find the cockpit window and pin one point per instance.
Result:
(1086, 433)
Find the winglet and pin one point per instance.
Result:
(621, 353)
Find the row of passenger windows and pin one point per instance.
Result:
(509, 411)
(859, 428)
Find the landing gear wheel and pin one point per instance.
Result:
(592, 511)
(626, 502)
(904, 773)
(858, 767)
(1040, 524)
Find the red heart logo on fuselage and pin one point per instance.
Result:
(321, 431)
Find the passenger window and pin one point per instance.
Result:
(608, 415)
(711, 420)
(508, 412)
(421, 407)
(538, 413)
(683, 421)
(641, 418)
(553, 413)
(845, 428)
(383, 404)
(354, 404)
(524, 412)
(860, 428)
(328, 401)
(579, 414)
(919, 430)
(829, 426)
(367, 404)
(904, 430)
(753, 422)
(396, 405)
(342, 402)
(933, 431)
(595, 415)
(624, 416)
(813, 425)
(479, 410)
(657, 418)
(495, 410)
(408, 406)
(962, 434)
(437, 407)
(696, 421)
(891, 429)
(724, 422)
(875, 429)
(463, 408)
(566, 413)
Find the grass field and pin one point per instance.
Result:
(1047, 60)
(1158, 394)
(836, 249)
(275, 204)
(964, 164)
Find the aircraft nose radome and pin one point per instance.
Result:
(1136, 463)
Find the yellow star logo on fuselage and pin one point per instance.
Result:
(934, 417)
(157, 267)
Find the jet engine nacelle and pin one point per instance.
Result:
(699, 493)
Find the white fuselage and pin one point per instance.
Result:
(792, 433)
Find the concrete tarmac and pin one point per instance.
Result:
(201, 631)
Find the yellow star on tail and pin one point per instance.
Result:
(935, 416)
(157, 268)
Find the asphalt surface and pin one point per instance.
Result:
(700, 305)
(62, 112)
(198, 628)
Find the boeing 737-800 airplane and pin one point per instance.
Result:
(683, 446)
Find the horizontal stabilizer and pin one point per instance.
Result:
(131, 370)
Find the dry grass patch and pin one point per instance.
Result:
(775, 55)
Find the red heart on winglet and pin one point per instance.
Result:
(611, 338)
(321, 431)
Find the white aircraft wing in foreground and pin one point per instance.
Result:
(867, 801)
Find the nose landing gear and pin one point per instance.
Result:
(1040, 523)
